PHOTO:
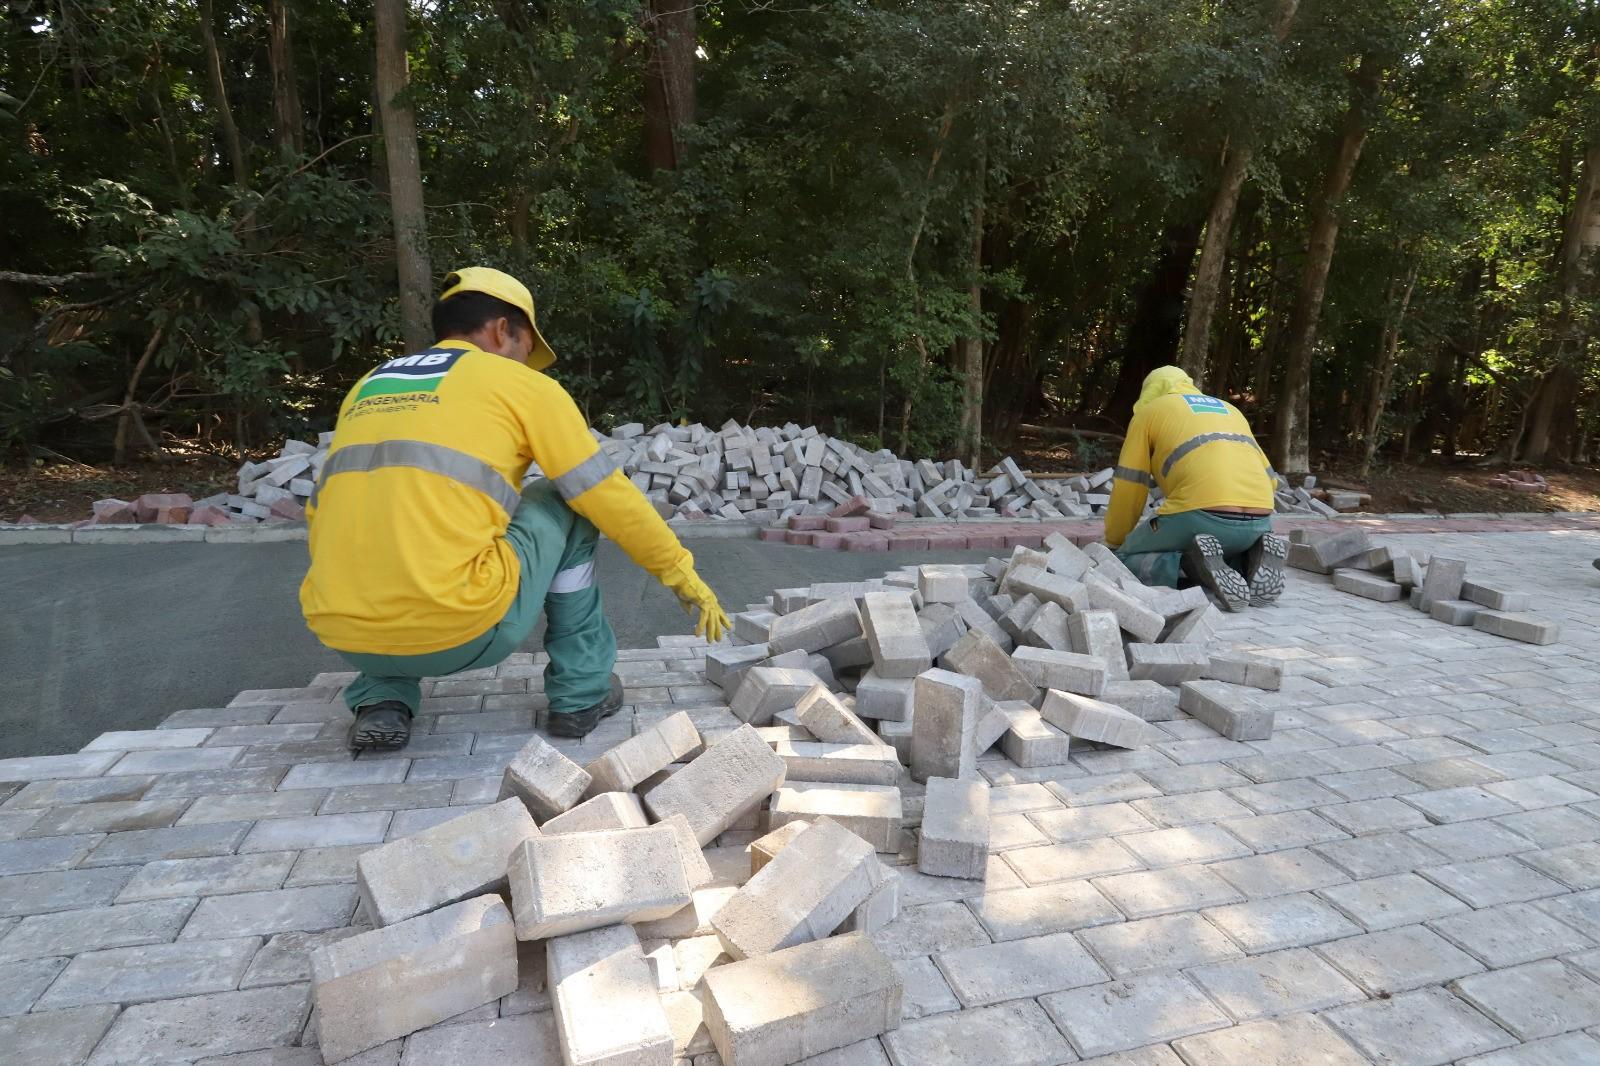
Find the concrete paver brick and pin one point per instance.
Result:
(955, 829)
(1283, 982)
(1090, 719)
(455, 860)
(607, 1008)
(944, 728)
(843, 764)
(990, 973)
(181, 1030)
(1065, 670)
(309, 909)
(1535, 1000)
(608, 810)
(1275, 1042)
(802, 894)
(887, 699)
(1101, 1019)
(872, 812)
(899, 648)
(977, 656)
(1397, 960)
(1168, 664)
(546, 781)
(1427, 1026)
(1030, 741)
(1530, 629)
(69, 932)
(1443, 581)
(571, 882)
(1018, 1033)
(1367, 586)
(728, 780)
(1496, 599)
(821, 625)
(939, 583)
(766, 690)
(387, 983)
(1229, 709)
(621, 769)
(802, 1001)
(822, 714)
(150, 972)
(1134, 617)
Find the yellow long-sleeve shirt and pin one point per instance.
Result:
(1199, 450)
(408, 548)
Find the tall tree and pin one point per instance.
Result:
(405, 174)
(1291, 437)
(286, 113)
(219, 95)
(1237, 153)
(669, 88)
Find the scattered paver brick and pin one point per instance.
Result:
(377, 986)
(569, 882)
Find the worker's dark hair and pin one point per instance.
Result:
(467, 312)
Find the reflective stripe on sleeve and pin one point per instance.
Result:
(585, 476)
(460, 467)
(1203, 438)
(1138, 477)
(574, 579)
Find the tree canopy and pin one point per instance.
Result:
(1371, 223)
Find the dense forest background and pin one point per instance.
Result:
(1371, 223)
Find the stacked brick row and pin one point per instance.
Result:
(1436, 586)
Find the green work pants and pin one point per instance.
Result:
(555, 546)
(1154, 551)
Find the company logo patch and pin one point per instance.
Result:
(421, 372)
(1206, 405)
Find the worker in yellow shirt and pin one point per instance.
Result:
(1216, 524)
(426, 556)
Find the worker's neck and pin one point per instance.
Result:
(481, 341)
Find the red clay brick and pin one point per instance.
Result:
(806, 522)
(880, 521)
(834, 541)
(853, 524)
(795, 536)
(866, 542)
(855, 505)
(771, 534)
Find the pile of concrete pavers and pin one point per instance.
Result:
(854, 718)
(1308, 498)
(1435, 585)
(601, 869)
(771, 474)
(278, 487)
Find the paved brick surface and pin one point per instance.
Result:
(1408, 871)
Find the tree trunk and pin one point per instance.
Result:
(970, 348)
(1152, 337)
(219, 94)
(119, 447)
(285, 90)
(669, 95)
(911, 273)
(1219, 228)
(405, 175)
(1291, 438)
(1383, 371)
(1540, 413)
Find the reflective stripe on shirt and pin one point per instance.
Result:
(1138, 477)
(585, 476)
(1203, 438)
(420, 455)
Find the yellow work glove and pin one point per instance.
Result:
(693, 593)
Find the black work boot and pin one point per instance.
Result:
(1263, 569)
(582, 723)
(382, 726)
(1205, 566)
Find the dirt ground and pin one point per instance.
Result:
(1459, 486)
(62, 492)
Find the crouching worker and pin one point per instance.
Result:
(426, 559)
(1215, 527)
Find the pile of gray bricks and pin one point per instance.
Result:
(601, 867)
(1436, 586)
(774, 473)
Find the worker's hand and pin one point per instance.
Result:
(693, 593)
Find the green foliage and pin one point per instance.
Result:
(812, 256)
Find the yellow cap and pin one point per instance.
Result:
(502, 286)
